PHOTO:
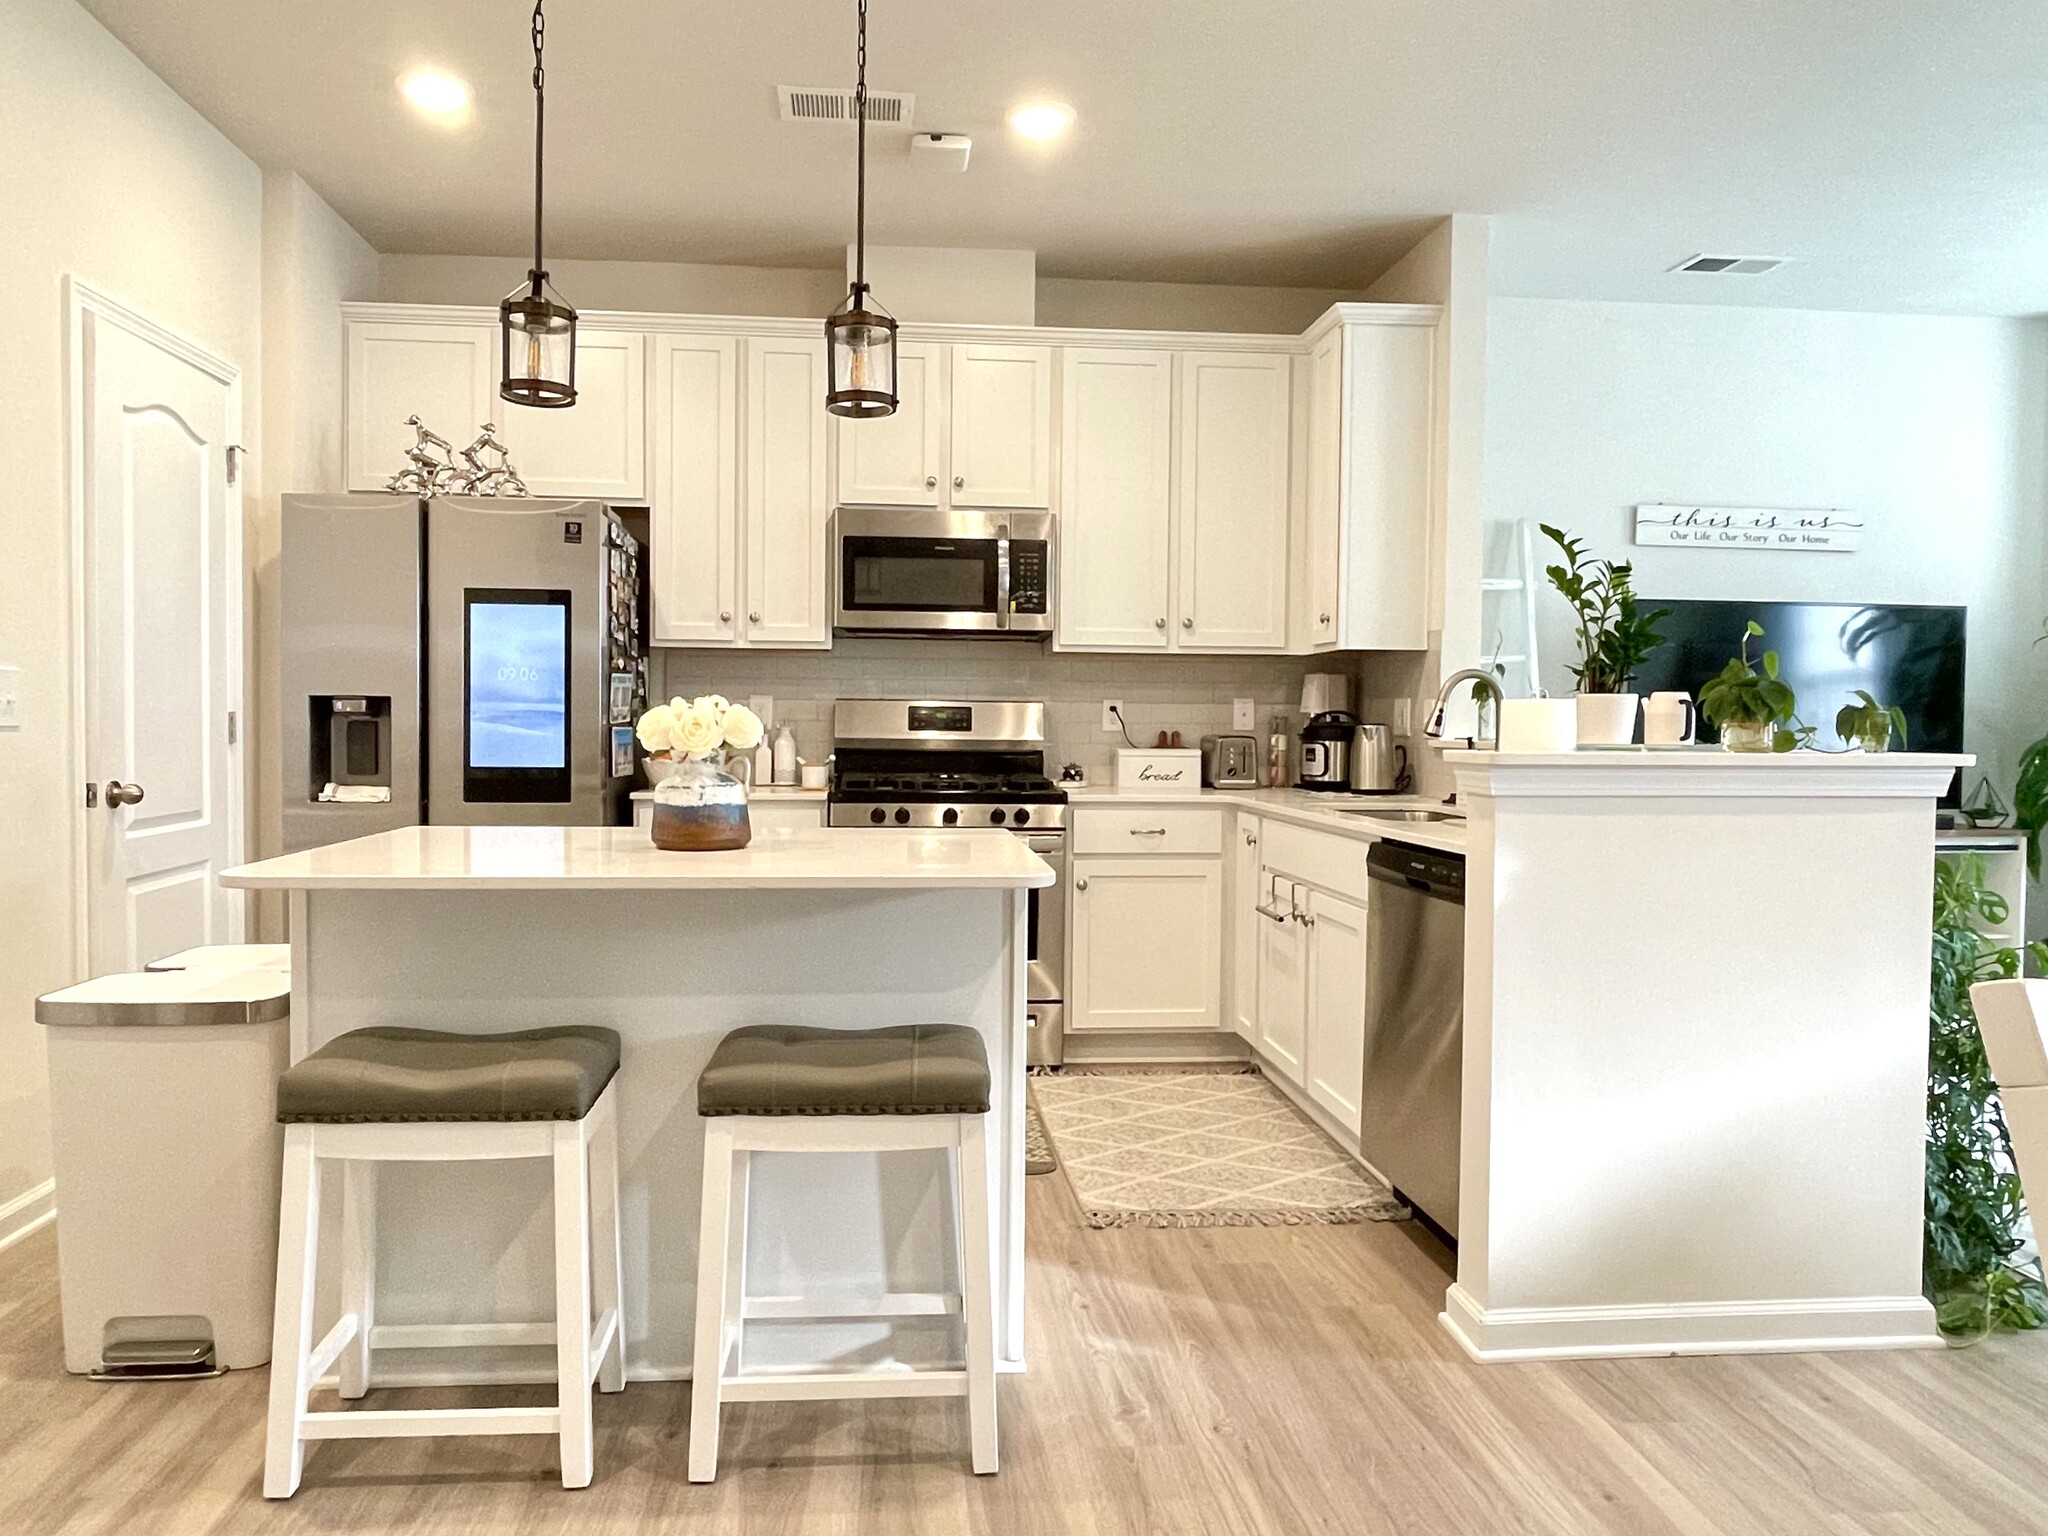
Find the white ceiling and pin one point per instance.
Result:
(1897, 149)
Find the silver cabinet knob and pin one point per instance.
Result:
(725, 615)
(959, 482)
(119, 794)
(1323, 619)
(1159, 623)
(1081, 884)
(1187, 623)
(931, 482)
(753, 618)
(1250, 841)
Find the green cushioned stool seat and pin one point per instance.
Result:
(788, 1069)
(392, 1074)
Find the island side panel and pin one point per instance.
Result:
(673, 972)
(1695, 1074)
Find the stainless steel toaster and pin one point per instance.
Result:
(1230, 762)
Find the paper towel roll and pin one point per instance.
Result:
(1539, 725)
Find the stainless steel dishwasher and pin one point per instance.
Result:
(1415, 1024)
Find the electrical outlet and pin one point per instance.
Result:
(1404, 717)
(1109, 721)
(763, 705)
(1243, 714)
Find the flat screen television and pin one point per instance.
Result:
(1907, 655)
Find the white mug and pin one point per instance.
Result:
(1669, 720)
(815, 775)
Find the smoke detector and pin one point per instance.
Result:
(832, 105)
(947, 151)
(1733, 266)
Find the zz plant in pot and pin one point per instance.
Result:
(1869, 724)
(1614, 637)
(1754, 711)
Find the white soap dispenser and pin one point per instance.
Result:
(785, 756)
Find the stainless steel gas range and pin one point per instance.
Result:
(964, 763)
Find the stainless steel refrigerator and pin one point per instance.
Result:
(457, 661)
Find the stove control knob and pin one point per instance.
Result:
(950, 817)
(902, 815)
(878, 815)
(1020, 817)
(996, 816)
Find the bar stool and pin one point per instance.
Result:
(416, 1095)
(785, 1088)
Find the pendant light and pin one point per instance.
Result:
(539, 329)
(860, 337)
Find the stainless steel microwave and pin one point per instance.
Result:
(920, 570)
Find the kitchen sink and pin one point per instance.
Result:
(1379, 813)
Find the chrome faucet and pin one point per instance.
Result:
(1482, 683)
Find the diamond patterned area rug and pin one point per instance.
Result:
(1200, 1149)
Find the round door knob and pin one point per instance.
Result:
(725, 616)
(119, 794)
(1081, 884)
(1187, 623)
(753, 618)
(931, 482)
(1159, 623)
(959, 482)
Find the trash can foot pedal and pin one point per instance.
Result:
(157, 1349)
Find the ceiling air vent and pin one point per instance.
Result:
(1735, 266)
(815, 104)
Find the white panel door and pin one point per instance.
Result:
(695, 515)
(596, 447)
(1322, 542)
(1232, 498)
(447, 375)
(1000, 433)
(787, 509)
(896, 460)
(1336, 1006)
(1389, 394)
(162, 633)
(1247, 925)
(1283, 986)
(1116, 498)
(1145, 944)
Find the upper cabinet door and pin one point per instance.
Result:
(1001, 427)
(1323, 511)
(694, 551)
(1233, 501)
(896, 460)
(447, 375)
(598, 446)
(787, 507)
(1389, 411)
(1116, 507)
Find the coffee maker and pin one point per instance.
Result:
(1326, 750)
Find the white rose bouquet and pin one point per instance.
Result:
(700, 727)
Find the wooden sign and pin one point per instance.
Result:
(1789, 531)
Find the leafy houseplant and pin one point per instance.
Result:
(1870, 724)
(1974, 1204)
(1752, 711)
(1614, 637)
(2030, 794)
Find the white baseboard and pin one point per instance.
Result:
(1702, 1328)
(1085, 1048)
(27, 1212)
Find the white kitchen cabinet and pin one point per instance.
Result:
(1145, 944)
(1283, 978)
(1247, 922)
(1361, 576)
(445, 374)
(785, 496)
(899, 460)
(1232, 500)
(1334, 1046)
(693, 555)
(598, 446)
(1116, 498)
(999, 432)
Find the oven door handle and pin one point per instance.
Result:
(1002, 576)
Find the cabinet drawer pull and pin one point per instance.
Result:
(1148, 831)
(931, 482)
(1081, 884)
(725, 616)
(959, 482)
(1159, 623)
(1187, 623)
(1272, 912)
(753, 618)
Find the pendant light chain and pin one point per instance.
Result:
(860, 182)
(537, 328)
(860, 335)
(540, 107)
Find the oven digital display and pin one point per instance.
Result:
(934, 717)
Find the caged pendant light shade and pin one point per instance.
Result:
(538, 330)
(860, 335)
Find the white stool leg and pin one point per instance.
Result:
(358, 1269)
(714, 1239)
(572, 1300)
(732, 1343)
(977, 1301)
(604, 1238)
(291, 1340)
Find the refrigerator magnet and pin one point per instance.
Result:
(622, 751)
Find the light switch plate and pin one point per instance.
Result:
(1109, 721)
(1243, 714)
(763, 704)
(10, 698)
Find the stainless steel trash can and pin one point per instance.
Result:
(163, 1088)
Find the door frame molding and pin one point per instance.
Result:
(83, 301)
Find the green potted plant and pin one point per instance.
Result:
(2030, 794)
(1869, 724)
(1754, 712)
(1614, 637)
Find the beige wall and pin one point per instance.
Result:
(1098, 305)
(654, 287)
(108, 177)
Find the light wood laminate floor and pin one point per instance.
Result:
(1283, 1380)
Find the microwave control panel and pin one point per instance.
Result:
(1027, 576)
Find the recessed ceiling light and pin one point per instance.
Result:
(437, 96)
(1042, 120)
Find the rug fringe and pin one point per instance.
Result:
(1173, 1069)
(1336, 1216)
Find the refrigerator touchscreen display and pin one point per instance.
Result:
(516, 704)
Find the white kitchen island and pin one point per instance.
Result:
(501, 928)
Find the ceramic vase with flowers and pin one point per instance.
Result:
(699, 805)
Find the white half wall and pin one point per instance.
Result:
(110, 178)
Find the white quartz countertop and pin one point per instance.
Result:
(1324, 811)
(622, 858)
(779, 793)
